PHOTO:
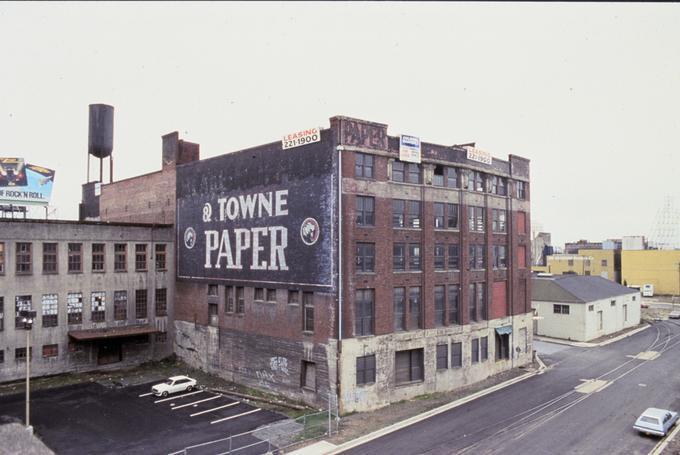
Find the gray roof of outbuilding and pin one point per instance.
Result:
(575, 289)
(16, 439)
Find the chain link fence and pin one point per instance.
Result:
(278, 438)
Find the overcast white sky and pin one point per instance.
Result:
(590, 93)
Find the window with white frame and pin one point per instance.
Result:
(74, 307)
(50, 310)
(98, 301)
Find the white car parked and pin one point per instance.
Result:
(173, 385)
(656, 421)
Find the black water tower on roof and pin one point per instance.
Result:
(100, 137)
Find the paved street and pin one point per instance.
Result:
(94, 419)
(585, 403)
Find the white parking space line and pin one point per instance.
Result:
(215, 409)
(145, 394)
(237, 415)
(196, 402)
(178, 396)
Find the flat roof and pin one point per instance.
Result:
(86, 223)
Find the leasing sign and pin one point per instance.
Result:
(299, 138)
(409, 149)
(475, 154)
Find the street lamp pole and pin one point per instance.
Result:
(27, 318)
(28, 376)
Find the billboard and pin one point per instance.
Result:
(262, 216)
(22, 183)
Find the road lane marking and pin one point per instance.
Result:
(196, 402)
(178, 396)
(215, 409)
(647, 355)
(594, 385)
(237, 415)
(145, 394)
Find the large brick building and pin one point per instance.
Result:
(337, 268)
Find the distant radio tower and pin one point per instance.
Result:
(666, 229)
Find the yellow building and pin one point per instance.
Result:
(586, 262)
(559, 264)
(602, 263)
(660, 268)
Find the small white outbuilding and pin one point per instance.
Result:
(582, 308)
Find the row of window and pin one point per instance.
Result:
(407, 257)
(407, 307)
(408, 364)
(234, 302)
(408, 214)
(50, 257)
(74, 306)
(445, 176)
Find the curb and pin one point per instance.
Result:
(426, 415)
(661, 445)
(582, 344)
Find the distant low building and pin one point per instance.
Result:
(540, 248)
(597, 262)
(634, 242)
(582, 308)
(573, 247)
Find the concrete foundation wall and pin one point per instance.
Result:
(384, 390)
(263, 362)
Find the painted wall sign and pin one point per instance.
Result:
(409, 149)
(258, 216)
(22, 183)
(299, 138)
(478, 155)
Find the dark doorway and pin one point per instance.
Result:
(109, 352)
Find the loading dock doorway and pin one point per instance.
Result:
(109, 352)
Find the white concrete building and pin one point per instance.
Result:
(582, 308)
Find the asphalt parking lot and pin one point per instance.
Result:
(93, 419)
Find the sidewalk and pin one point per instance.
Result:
(328, 448)
(582, 344)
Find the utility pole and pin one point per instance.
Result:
(27, 318)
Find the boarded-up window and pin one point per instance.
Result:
(366, 369)
(456, 355)
(499, 305)
(442, 356)
(408, 366)
(521, 256)
(521, 222)
(439, 310)
(484, 346)
(308, 380)
(474, 350)
(399, 309)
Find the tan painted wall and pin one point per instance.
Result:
(586, 262)
(658, 267)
